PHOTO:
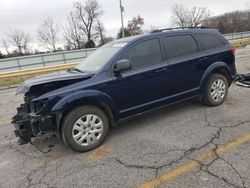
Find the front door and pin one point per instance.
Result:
(140, 88)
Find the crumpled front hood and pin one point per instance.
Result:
(48, 78)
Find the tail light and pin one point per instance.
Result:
(233, 50)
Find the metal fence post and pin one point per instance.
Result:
(64, 58)
(43, 60)
(19, 67)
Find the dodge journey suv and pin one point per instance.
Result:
(124, 78)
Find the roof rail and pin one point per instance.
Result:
(178, 28)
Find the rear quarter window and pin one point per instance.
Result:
(208, 41)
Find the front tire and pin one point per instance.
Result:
(85, 128)
(216, 90)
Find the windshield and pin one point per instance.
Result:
(96, 61)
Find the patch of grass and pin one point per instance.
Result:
(240, 43)
(7, 82)
(12, 81)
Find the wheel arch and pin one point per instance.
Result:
(94, 98)
(218, 67)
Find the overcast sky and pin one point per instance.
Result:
(28, 14)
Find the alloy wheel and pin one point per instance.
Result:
(87, 130)
(218, 90)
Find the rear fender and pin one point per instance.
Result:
(213, 69)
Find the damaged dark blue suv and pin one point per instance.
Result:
(124, 78)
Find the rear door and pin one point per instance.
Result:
(183, 57)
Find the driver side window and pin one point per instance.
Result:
(144, 54)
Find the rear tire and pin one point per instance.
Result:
(85, 128)
(216, 90)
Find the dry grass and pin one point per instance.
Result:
(13, 81)
(240, 43)
(7, 82)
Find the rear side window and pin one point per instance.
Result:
(209, 41)
(144, 54)
(177, 46)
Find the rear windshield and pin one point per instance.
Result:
(208, 41)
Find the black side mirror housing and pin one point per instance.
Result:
(122, 65)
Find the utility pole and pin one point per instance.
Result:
(122, 10)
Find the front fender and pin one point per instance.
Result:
(212, 69)
(89, 96)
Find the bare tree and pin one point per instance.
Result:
(72, 33)
(26, 41)
(100, 31)
(19, 39)
(237, 21)
(5, 45)
(179, 15)
(183, 16)
(197, 15)
(47, 33)
(87, 14)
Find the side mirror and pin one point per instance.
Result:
(122, 65)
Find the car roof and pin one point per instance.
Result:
(167, 32)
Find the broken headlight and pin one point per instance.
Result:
(38, 106)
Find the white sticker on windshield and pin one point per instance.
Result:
(119, 45)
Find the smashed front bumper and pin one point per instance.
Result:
(24, 124)
(28, 125)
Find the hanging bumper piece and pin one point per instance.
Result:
(243, 80)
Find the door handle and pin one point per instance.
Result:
(203, 59)
(161, 70)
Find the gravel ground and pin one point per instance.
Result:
(141, 149)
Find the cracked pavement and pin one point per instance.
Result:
(140, 149)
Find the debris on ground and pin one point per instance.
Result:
(243, 80)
